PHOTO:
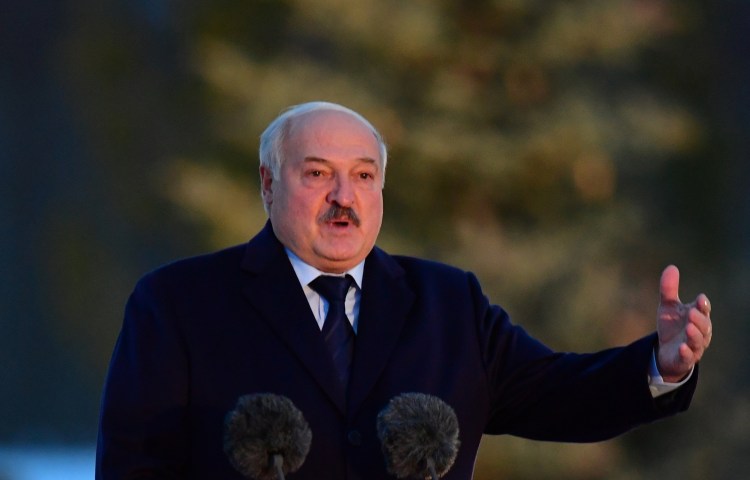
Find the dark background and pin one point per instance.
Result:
(565, 151)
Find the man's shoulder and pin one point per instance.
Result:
(433, 282)
(425, 271)
(417, 264)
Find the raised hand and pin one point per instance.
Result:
(684, 329)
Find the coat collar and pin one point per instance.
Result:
(271, 286)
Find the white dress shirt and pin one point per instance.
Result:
(656, 383)
(318, 304)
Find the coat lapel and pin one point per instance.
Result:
(386, 300)
(272, 287)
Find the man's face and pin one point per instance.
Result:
(327, 204)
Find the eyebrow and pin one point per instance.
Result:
(314, 159)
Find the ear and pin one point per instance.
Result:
(266, 185)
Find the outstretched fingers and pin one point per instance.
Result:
(700, 327)
(684, 330)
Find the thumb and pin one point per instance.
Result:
(669, 285)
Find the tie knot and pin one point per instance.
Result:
(334, 289)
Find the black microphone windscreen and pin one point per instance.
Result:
(263, 425)
(415, 428)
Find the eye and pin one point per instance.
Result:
(315, 173)
(366, 176)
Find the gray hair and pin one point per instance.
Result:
(272, 139)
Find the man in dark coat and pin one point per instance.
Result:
(200, 333)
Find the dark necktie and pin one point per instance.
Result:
(337, 330)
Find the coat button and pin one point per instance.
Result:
(354, 437)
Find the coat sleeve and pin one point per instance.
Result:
(142, 426)
(544, 395)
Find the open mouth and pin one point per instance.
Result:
(340, 217)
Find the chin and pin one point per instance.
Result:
(340, 261)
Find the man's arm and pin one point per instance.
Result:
(142, 422)
(537, 393)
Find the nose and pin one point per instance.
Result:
(342, 192)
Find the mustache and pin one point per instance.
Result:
(337, 212)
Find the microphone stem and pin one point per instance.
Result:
(431, 467)
(278, 462)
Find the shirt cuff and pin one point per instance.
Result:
(656, 383)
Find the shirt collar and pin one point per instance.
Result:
(307, 273)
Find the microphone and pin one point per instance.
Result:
(266, 436)
(419, 436)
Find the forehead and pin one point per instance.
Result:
(331, 133)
